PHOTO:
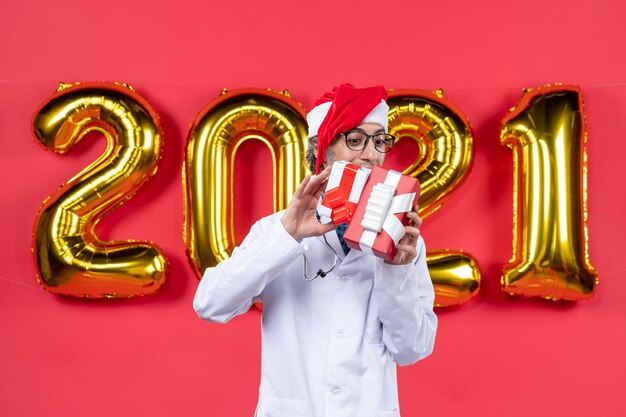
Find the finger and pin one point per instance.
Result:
(325, 228)
(412, 233)
(321, 229)
(300, 188)
(416, 210)
(406, 252)
(318, 193)
(416, 220)
(317, 182)
(409, 240)
(321, 186)
(412, 219)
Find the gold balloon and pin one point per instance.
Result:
(546, 132)
(456, 276)
(445, 141)
(70, 259)
(215, 135)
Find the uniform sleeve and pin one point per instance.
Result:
(405, 297)
(230, 288)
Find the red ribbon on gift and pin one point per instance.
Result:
(337, 198)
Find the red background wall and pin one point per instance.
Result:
(495, 356)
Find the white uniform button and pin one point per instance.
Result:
(340, 333)
(343, 278)
(336, 390)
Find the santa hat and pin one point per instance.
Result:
(342, 109)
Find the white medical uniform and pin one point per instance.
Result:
(330, 346)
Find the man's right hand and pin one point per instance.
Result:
(299, 219)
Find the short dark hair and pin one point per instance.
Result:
(311, 154)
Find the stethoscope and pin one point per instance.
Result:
(321, 273)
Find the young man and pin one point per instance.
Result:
(332, 335)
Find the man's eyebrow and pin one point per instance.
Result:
(381, 130)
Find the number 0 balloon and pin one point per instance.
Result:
(215, 135)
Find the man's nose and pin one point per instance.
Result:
(369, 152)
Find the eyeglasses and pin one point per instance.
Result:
(357, 140)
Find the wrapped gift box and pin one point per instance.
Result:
(379, 219)
(343, 191)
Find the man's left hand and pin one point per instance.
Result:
(407, 246)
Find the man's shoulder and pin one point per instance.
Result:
(268, 221)
(265, 226)
(272, 218)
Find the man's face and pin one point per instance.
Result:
(368, 157)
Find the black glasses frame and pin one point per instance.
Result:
(388, 137)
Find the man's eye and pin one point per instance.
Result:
(379, 142)
(355, 139)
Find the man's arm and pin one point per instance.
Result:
(229, 288)
(405, 296)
